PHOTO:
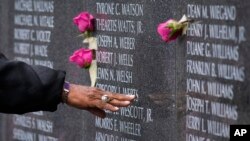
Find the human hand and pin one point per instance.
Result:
(89, 98)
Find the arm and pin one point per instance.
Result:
(25, 88)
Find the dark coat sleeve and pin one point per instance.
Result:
(25, 88)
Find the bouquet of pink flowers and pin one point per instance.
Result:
(85, 57)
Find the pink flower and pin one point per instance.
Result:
(84, 21)
(82, 57)
(170, 30)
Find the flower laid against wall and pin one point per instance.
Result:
(171, 29)
(85, 23)
(82, 57)
(85, 57)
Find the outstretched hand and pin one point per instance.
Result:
(89, 98)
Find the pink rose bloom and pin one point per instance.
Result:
(169, 30)
(84, 21)
(82, 57)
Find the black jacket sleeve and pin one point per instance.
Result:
(25, 88)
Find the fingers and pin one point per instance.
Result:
(120, 97)
(107, 106)
(118, 103)
(89, 98)
(114, 105)
(117, 100)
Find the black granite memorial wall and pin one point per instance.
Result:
(191, 89)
